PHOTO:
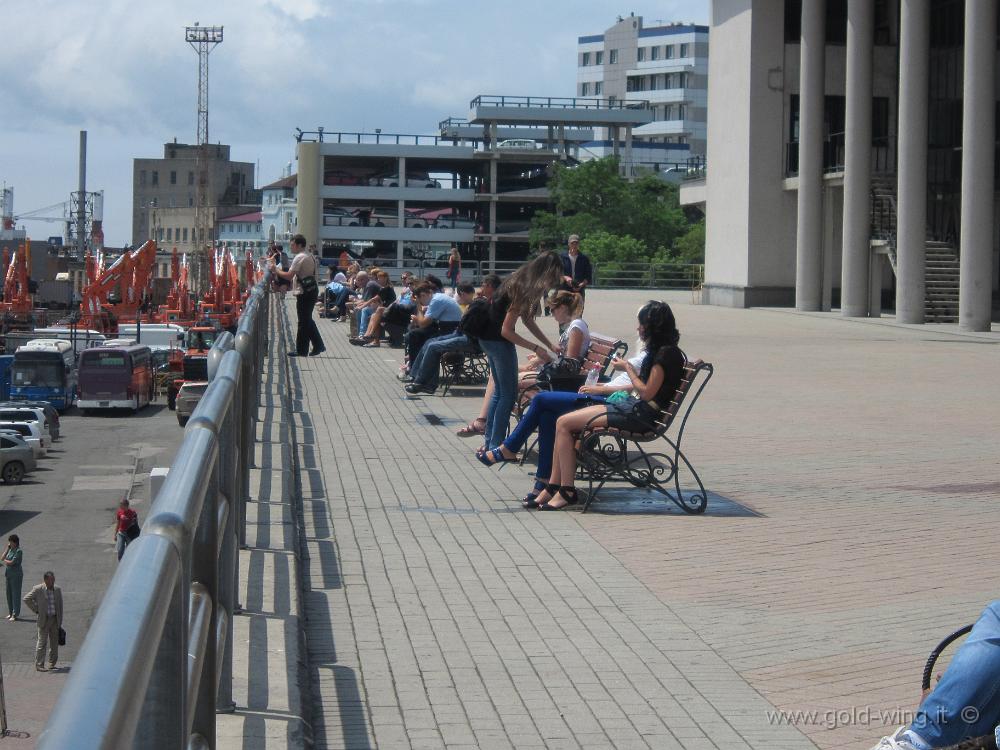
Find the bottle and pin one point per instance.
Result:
(592, 376)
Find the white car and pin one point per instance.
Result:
(392, 180)
(454, 222)
(33, 414)
(30, 433)
(520, 144)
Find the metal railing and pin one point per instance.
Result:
(156, 664)
(556, 102)
(390, 139)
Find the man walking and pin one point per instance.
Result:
(45, 600)
(577, 271)
(125, 519)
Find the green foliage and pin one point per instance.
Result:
(618, 221)
(690, 248)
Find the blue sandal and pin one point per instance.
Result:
(493, 457)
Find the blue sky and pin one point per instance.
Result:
(123, 72)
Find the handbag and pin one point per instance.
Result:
(308, 285)
(62, 637)
(132, 532)
(562, 375)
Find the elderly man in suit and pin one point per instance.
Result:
(45, 600)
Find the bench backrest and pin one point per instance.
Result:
(667, 415)
(602, 350)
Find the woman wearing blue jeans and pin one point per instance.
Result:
(516, 300)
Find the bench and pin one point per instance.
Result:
(465, 366)
(603, 349)
(606, 453)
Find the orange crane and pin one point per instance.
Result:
(222, 302)
(179, 308)
(116, 294)
(16, 304)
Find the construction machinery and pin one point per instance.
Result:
(223, 302)
(180, 308)
(17, 311)
(116, 294)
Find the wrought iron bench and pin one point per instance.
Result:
(609, 454)
(465, 366)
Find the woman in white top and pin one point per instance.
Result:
(574, 342)
(305, 287)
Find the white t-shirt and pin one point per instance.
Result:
(581, 325)
(622, 377)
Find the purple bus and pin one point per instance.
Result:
(115, 377)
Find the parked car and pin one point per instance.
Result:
(521, 144)
(454, 222)
(392, 180)
(340, 217)
(51, 413)
(27, 414)
(339, 177)
(16, 458)
(30, 433)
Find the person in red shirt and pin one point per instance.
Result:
(125, 519)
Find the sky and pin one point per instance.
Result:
(123, 72)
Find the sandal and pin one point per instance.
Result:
(476, 427)
(531, 499)
(570, 495)
(493, 457)
(372, 345)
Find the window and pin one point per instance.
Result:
(598, 58)
(668, 112)
(669, 78)
(585, 59)
(173, 177)
(670, 51)
(598, 88)
(185, 235)
(684, 50)
(235, 179)
(640, 54)
(156, 177)
(654, 53)
(190, 178)
(585, 89)
(170, 234)
(613, 57)
(258, 231)
(190, 201)
(681, 111)
(142, 177)
(682, 139)
(159, 234)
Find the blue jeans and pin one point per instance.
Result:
(426, 366)
(543, 411)
(502, 357)
(971, 680)
(364, 318)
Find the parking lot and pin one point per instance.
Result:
(63, 514)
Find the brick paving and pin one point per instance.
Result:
(438, 614)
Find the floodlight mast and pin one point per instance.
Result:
(203, 39)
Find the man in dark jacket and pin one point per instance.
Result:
(577, 271)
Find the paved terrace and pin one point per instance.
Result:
(853, 468)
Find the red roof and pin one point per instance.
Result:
(284, 182)
(254, 217)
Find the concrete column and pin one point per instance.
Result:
(911, 189)
(401, 204)
(614, 140)
(809, 233)
(978, 118)
(857, 166)
(310, 208)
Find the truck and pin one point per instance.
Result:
(191, 372)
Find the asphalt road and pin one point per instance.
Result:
(64, 514)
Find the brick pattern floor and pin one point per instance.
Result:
(440, 614)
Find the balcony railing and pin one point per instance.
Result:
(556, 102)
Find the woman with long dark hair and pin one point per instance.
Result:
(516, 300)
(653, 384)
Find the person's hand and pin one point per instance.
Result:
(543, 355)
(589, 389)
(568, 280)
(619, 364)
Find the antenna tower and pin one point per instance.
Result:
(203, 39)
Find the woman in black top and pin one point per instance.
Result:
(654, 385)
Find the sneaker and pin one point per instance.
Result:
(40, 668)
(896, 741)
(403, 374)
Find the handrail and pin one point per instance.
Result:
(156, 665)
(556, 102)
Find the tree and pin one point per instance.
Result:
(690, 248)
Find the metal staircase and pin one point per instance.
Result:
(941, 264)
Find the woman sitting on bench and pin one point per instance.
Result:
(655, 383)
(573, 345)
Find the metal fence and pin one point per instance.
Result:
(156, 665)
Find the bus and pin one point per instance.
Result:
(44, 370)
(115, 377)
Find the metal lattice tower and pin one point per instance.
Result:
(203, 39)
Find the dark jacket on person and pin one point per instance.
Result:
(583, 271)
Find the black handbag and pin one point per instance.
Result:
(132, 532)
(308, 285)
(62, 637)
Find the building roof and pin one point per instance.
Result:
(283, 183)
(251, 217)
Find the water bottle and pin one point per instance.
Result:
(592, 376)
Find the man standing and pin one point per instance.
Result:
(577, 271)
(45, 600)
(125, 519)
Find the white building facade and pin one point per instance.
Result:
(279, 210)
(854, 159)
(664, 65)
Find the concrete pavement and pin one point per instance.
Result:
(437, 613)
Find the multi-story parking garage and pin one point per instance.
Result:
(476, 185)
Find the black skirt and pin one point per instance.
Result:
(632, 415)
